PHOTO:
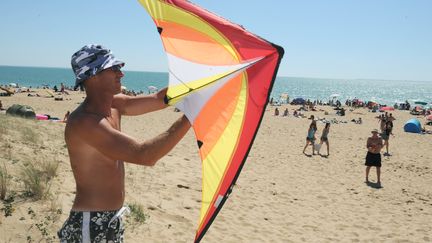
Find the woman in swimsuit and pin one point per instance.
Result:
(324, 137)
(385, 135)
(310, 139)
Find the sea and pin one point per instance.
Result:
(386, 92)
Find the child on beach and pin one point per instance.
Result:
(310, 139)
(66, 116)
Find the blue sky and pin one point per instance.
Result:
(347, 39)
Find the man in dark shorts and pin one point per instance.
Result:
(97, 147)
(373, 158)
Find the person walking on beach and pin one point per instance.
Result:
(310, 139)
(382, 120)
(324, 137)
(98, 149)
(385, 135)
(374, 145)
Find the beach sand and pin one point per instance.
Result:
(281, 195)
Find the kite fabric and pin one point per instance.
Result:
(220, 76)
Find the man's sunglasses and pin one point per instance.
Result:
(116, 68)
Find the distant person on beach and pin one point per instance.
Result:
(310, 139)
(374, 145)
(341, 112)
(1, 106)
(324, 137)
(98, 149)
(66, 116)
(391, 118)
(276, 112)
(385, 135)
(382, 120)
(286, 112)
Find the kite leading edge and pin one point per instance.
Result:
(221, 77)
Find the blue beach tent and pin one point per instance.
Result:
(413, 125)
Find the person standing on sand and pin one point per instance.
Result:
(373, 158)
(66, 116)
(97, 147)
(310, 139)
(276, 112)
(382, 120)
(324, 137)
(388, 127)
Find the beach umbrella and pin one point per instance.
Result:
(13, 85)
(333, 96)
(152, 88)
(387, 108)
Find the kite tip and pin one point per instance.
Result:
(159, 29)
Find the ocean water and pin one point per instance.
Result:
(382, 91)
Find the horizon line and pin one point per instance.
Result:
(279, 76)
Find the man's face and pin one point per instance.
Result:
(112, 78)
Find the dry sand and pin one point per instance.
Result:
(280, 196)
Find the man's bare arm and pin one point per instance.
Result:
(99, 134)
(369, 143)
(138, 105)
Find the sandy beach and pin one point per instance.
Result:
(281, 195)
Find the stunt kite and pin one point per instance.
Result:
(220, 76)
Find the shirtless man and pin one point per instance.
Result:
(97, 147)
(374, 145)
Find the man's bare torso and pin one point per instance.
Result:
(99, 179)
(375, 144)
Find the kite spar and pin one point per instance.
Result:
(220, 76)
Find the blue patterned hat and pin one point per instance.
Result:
(90, 60)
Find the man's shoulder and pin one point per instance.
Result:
(82, 120)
